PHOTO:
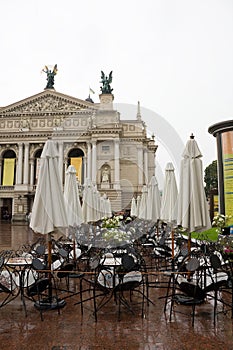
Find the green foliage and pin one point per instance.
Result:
(211, 177)
(208, 235)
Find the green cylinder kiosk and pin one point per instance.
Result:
(223, 132)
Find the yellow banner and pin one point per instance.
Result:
(227, 149)
(8, 172)
(77, 163)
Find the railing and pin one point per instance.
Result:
(7, 188)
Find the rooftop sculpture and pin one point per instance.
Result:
(50, 76)
(106, 81)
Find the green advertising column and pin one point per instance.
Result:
(223, 132)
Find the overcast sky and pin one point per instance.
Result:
(174, 56)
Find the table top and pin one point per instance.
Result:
(19, 261)
(106, 261)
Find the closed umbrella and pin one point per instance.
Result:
(153, 200)
(88, 203)
(138, 204)
(71, 197)
(169, 201)
(143, 204)
(48, 212)
(133, 210)
(72, 202)
(105, 206)
(193, 212)
(169, 196)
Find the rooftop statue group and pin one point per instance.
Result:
(105, 80)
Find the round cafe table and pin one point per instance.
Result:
(22, 275)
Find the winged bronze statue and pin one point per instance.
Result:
(106, 81)
(50, 76)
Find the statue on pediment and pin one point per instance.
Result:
(106, 81)
(50, 76)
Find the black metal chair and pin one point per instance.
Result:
(183, 287)
(8, 286)
(44, 290)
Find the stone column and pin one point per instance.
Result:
(26, 163)
(145, 166)
(60, 160)
(94, 162)
(32, 167)
(140, 165)
(19, 164)
(88, 161)
(116, 164)
(84, 169)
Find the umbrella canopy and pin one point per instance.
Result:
(48, 209)
(193, 212)
(169, 196)
(88, 206)
(105, 207)
(153, 200)
(142, 214)
(71, 197)
(133, 210)
(138, 204)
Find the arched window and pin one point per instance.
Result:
(75, 158)
(37, 164)
(9, 168)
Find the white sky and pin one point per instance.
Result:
(175, 56)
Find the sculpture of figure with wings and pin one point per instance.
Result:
(106, 81)
(50, 76)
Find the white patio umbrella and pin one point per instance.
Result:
(153, 200)
(71, 197)
(169, 196)
(48, 212)
(105, 206)
(143, 204)
(133, 209)
(88, 202)
(138, 204)
(108, 208)
(169, 201)
(193, 212)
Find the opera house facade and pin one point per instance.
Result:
(115, 154)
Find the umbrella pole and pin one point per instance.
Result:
(189, 243)
(50, 265)
(173, 247)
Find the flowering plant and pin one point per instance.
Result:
(113, 228)
(225, 245)
(112, 222)
(116, 234)
(220, 221)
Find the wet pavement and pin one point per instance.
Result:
(69, 330)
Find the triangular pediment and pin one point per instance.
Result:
(48, 101)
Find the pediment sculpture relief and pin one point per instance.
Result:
(45, 104)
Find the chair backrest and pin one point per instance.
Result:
(1, 261)
(215, 261)
(193, 264)
(37, 264)
(128, 262)
(40, 249)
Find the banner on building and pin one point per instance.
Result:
(227, 156)
(77, 163)
(8, 172)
